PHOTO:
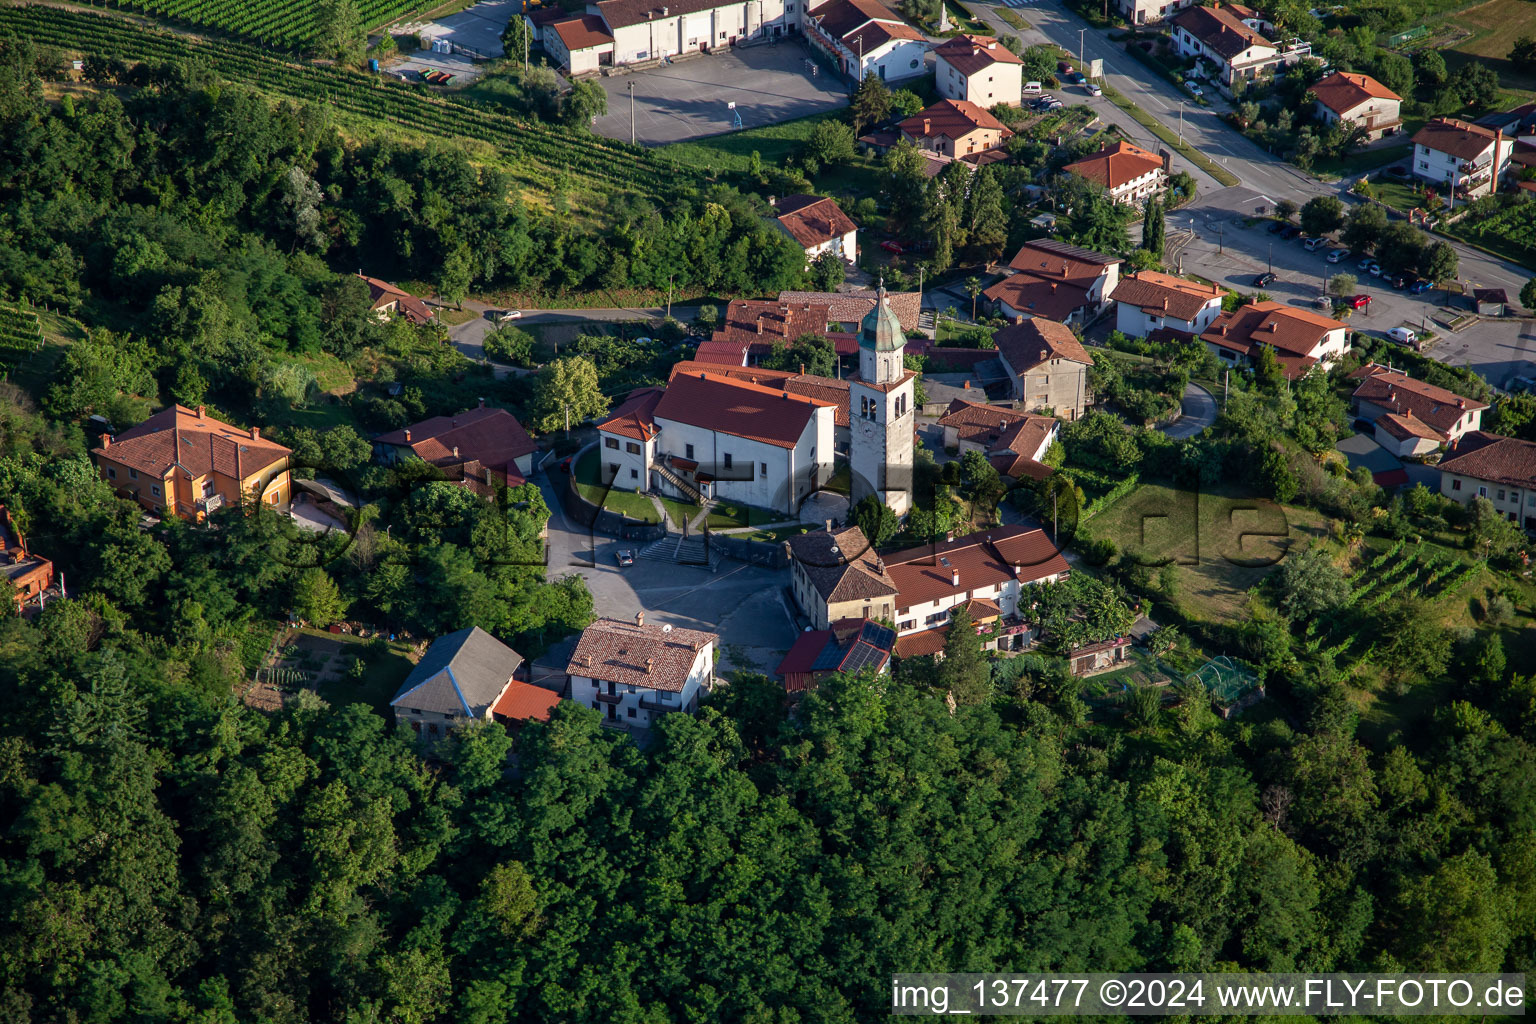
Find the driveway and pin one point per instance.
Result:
(689, 99)
(477, 29)
(1196, 412)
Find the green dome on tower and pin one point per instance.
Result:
(881, 329)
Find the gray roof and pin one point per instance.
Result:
(461, 674)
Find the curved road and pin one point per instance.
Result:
(1197, 411)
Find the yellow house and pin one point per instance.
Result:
(184, 462)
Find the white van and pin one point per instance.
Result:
(1033, 89)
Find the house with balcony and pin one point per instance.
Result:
(386, 301)
(1055, 280)
(864, 37)
(1501, 469)
(1127, 172)
(1359, 100)
(979, 70)
(1149, 12)
(1466, 159)
(1409, 416)
(1233, 38)
(29, 575)
(184, 462)
(1149, 301)
(1299, 338)
(633, 674)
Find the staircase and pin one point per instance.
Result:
(925, 319)
(681, 550)
(683, 486)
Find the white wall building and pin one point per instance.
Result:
(881, 413)
(633, 674)
(979, 70)
(1232, 38)
(1466, 158)
(1150, 301)
(864, 37)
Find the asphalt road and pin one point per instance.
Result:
(1197, 411)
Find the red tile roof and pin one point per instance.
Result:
(969, 54)
(982, 560)
(1342, 92)
(1400, 393)
(1116, 166)
(636, 417)
(491, 437)
(1460, 139)
(813, 220)
(757, 322)
(720, 403)
(842, 565)
(1159, 294)
(1026, 293)
(1026, 345)
(1221, 28)
(840, 17)
(193, 440)
(612, 650)
(382, 293)
(1407, 425)
(922, 644)
(997, 429)
(877, 33)
(583, 33)
(953, 119)
(1060, 261)
(620, 13)
(1490, 457)
(827, 389)
(852, 307)
(1290, 331)
(722, 353)
(523, 702)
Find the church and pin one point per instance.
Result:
(711, 436)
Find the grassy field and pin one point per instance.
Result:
(588, 471)
(37, 371)
(729, 516)
(377, 685)
(1494, 27)
(1223, 541)
(775, 144)
(1012, 18)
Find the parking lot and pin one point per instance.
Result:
(690, 98)
(478, 28)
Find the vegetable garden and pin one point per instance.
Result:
(20, 335)
(291, 23)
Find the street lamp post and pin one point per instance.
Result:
(1080, 48)
(1181, 122)
(631, 112)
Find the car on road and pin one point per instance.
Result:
(506, 315)
(1195, 90)
(1263, 279)
(1358, 301)
(1093, 90)
(1338, 256)
(625, 558)
(1420, 286)
(894, 248)
(1402, 335)
(1314, 244)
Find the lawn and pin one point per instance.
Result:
(1494, 27)
(727, 515)
(331, 655)
(775, 143)
(36, 372)
(1360, 162)
(590, 484)
(1400, 195)
(1223, 541)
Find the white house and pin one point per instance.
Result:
(1467, 158)
(1149, 12)
(1501, 469)
(1055, 280)
(1232, 38)
(632, 673)
(707, 435)
(864, 37)
(1300, 338)
(615, 32)
(1126, 171)
(986, 572)
(818, 225)
(979, 70)
(1412, 417)
(1150, 301)
(580, 44)
(1358, 99)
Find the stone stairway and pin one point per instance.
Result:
(682, 550)
(683, 486)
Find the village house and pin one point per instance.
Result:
(385, 300)
(468, 676)
(752, 327)
(849, 646)
(484, 448)
(1501, 469)
(955, 128)
(1052, 279)
(834, 391)
(1014, 442)
(979, 70)
(708, 435)
(1149, 12)
(836, 575)
(985, 572)
(1412, 417)
(1104, 656)
(28, 575)
(184, 462)
(1232, 38)
(1466, 158)
(1359, 100)
(618, 32)
(1047, 366)
(1149, 301)
(633, 673)
(864, 37)
(1300, 338)
(1126, 171)
(817, 225)
(580, 44)
(847, 310)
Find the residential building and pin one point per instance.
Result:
(832, 390)
(864, 37)
(979, 70)
(708, 435)
(1300, 338)
(1047, 366)
(850, 646)
(1412, 417)
(633, 673)
(1106, 656)
(386, 301)
(538, 19)
(1014, 442)
(482, 447)
(1490, 301)
(818, 225)
(987, 572)
(1128, 173)
(836, 575)
(1501, 469)
(1466, 158)
(462, 678)
(1232, 38)
(955, 128)
(1055, 280)
(847, 310)
(644, 30)
(1149, 301)
(28, 575)
(1149, 12)
(184, 462)
(752, 327)
(1360, 100)
(881, 413)
(580, 44)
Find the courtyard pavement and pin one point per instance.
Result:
(477, 28)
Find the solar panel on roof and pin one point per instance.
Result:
(876, 635)
(861, 656)
(829, 658)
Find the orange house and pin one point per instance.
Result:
(29, 575)
(184, 462)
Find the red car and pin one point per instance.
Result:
(894, 248)
(1358, 301)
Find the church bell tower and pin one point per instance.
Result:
(880, 411)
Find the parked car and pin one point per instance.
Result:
(1195, 90)
(1402, 335)
(1358, 301)
(1521, 385)
(1263, 279)
(1291, 231)
(625, 558)
(894, 248)
(509, 314)
(1374, 269)
(1314, 244)
(1075, 77)
(1055, 104)
(1420, 286)
(1277, 227)
(1093, 90)
(1338, 255)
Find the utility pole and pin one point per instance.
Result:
(1181, 122)
(631, 113)
(527, 36)
(1226, 387)
(1080, 48)
(669, 294)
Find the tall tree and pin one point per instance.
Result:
(964, 671)
(871, 103)
(988, 225)
(566, 393)
(1152, 228)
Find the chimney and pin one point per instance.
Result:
(1018, 319)
(880, 566)
(255, 433)
(927, 125)
(1045, 354)
(949, 535)
(1165, 303)
(639, 618)
(587, 660)
(966, 386)
(829, 526)
(106, 440)
(482, 403)
(650, 663)
(407, 435)
(455, 451)
(1461, 403)
(954, 577)
(202, 411)
(802, 369)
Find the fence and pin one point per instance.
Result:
(774, 554)
(1408, 36)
